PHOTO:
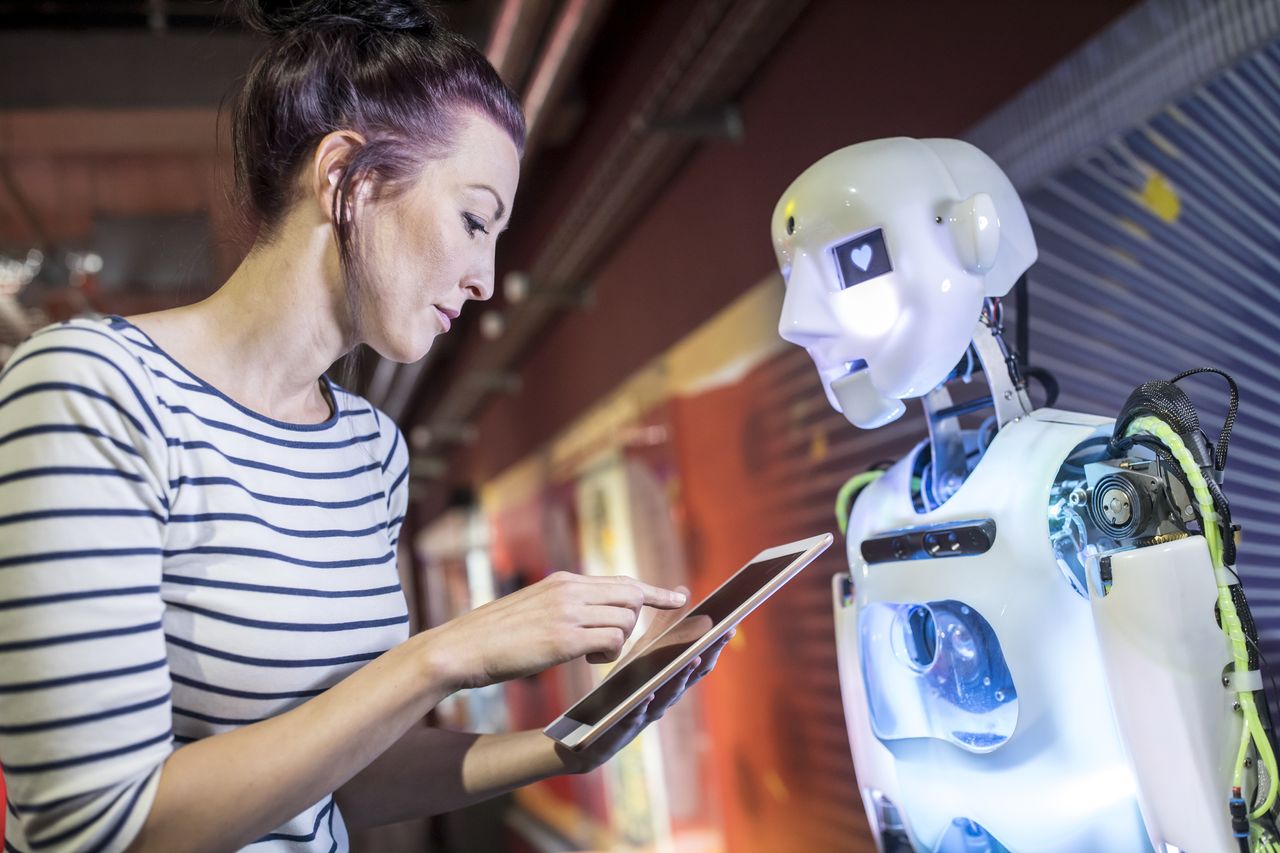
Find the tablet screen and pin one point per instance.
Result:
(630, 677)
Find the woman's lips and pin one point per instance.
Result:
(445, 322)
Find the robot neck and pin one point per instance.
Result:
(954, 450)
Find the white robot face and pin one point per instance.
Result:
(888, 249)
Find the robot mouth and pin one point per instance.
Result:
(835, 370)
(856, 365)
(861, 402)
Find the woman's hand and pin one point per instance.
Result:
(660, 701)
(650, 710)
(557, 619)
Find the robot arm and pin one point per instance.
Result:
(1158, 542)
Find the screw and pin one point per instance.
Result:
(1008, 395)
(1248, 762)
(1226, 681)
(1235, 706)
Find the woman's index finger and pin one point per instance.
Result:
(651, 596)
(663, 599)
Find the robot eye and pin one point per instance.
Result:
(791, 225)
(862, 258)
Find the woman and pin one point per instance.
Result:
(203, 642)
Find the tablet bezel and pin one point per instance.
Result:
(576, 735)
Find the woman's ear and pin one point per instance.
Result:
(333, 155)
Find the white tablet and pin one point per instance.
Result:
(628, 684)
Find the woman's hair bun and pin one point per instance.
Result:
(280, 16)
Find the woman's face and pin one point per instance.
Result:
(432, 247)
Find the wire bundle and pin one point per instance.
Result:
(1252, 732)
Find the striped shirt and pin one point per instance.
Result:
(172, 566)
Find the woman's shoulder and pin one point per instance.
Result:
(91, 359)
(83, 347)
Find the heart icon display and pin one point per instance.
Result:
(861, 257)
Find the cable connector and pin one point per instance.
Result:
(1239, 815)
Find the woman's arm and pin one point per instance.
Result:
(226, 791)
(230, 789)
(429, 770)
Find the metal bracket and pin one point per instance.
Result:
(1008, 389)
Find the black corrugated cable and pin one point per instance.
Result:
(1233, 408)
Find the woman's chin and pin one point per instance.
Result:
(408, 348)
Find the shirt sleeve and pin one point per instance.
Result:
(85, 722)
(395, 473)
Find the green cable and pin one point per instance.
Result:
(1252, 728)
(844, 498)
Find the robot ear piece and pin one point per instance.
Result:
(975, 229)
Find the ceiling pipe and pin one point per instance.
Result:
(516, 29)
(503, 34)
(574, 28)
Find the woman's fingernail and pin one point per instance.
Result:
(679, 597)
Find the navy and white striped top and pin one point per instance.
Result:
(173, 565)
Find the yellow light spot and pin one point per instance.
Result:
(775, 786)
(790, 209)
(1135, 229)
(1123, 257)
(818, 446)
(739, 640)
(1159, 197)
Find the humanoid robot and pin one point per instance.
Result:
(1043, 646)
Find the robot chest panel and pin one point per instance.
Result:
(967, 632)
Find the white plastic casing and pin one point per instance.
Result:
(1062, 782)
(1165, 656)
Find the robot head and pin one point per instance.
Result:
(888, 249)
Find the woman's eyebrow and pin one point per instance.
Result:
(502, 208)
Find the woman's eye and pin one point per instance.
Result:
(473, 224)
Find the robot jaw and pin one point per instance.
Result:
(856, 397)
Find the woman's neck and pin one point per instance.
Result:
(267, 335)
